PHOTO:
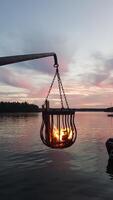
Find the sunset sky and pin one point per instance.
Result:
(81, 34)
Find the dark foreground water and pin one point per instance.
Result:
(30, 170)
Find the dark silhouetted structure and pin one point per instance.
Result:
(14, 107)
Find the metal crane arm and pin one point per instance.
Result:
(20, 58)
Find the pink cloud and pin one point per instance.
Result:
(9, 77)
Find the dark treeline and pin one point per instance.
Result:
(13, 107)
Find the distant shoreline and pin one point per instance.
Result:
(24, 107)
(16, 107)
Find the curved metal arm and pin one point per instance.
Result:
(20, 58)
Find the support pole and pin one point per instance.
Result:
(20, 58)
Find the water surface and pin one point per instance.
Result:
(30, 170)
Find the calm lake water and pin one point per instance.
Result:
(30, 170)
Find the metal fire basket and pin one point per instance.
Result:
(58, 128)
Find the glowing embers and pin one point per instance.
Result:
(64, 134)
(58, 128)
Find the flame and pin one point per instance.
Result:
(62, 135)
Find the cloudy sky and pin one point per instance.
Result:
(81, 34)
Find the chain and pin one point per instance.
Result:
(51, 86)
(60, 87)
(63, 90)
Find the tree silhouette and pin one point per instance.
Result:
(14, 107)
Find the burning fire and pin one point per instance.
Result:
(62, 135)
